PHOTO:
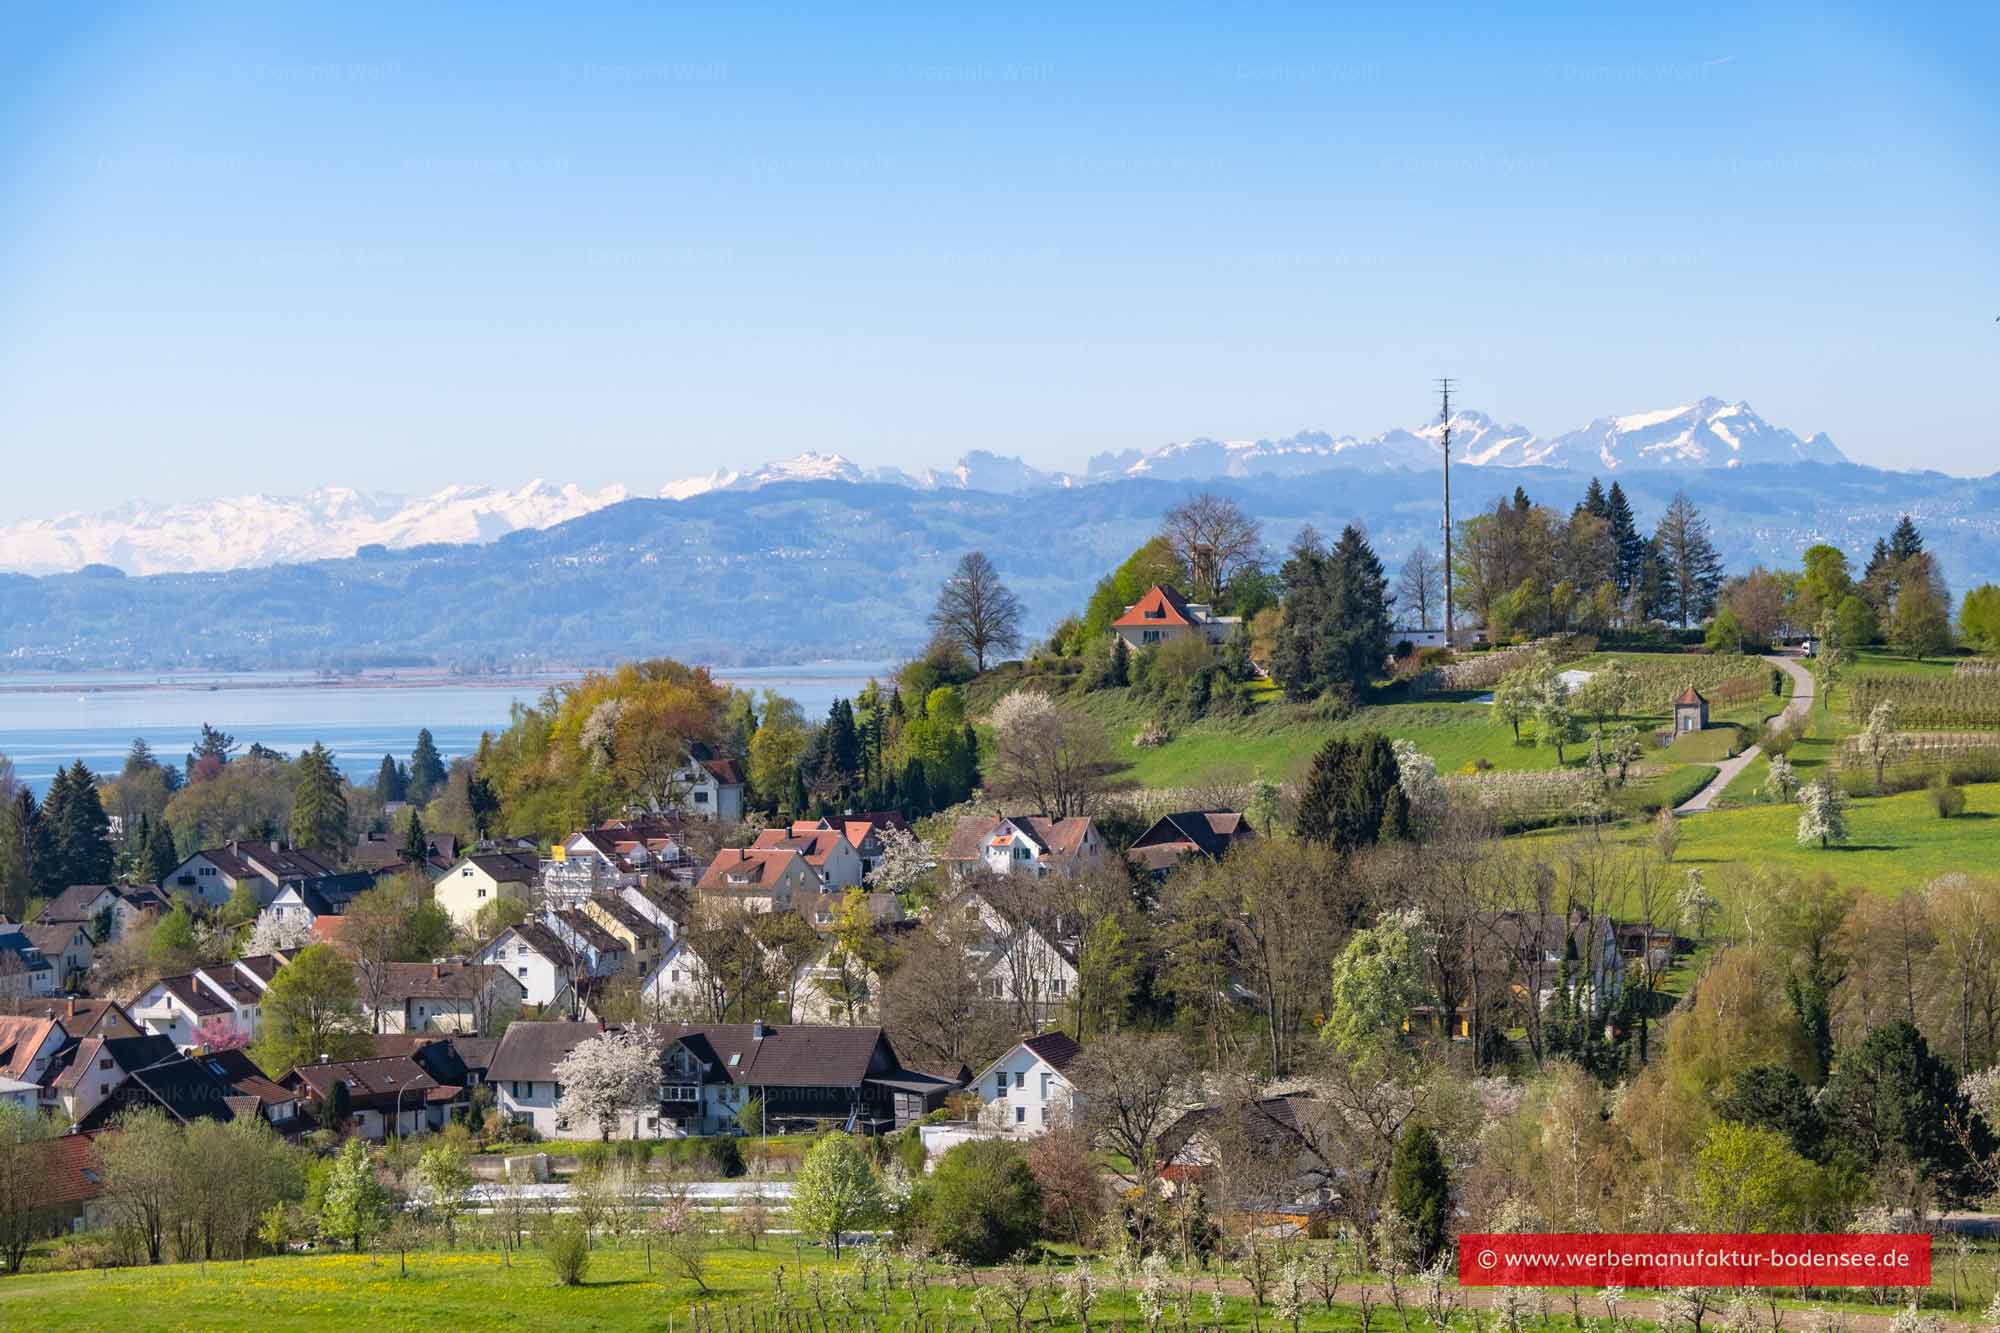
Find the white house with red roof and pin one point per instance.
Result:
(826, 849)
(1163, 614)
(710, 785)
(1023, 845)
(762, 879)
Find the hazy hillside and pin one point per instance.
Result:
(804, 571)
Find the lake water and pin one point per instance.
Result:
(49, 721)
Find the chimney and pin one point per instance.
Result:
(69, 1007)
(322, 1057)
(437, 973)
(756, 1029)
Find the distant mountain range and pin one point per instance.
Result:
(798, 571)
(251, 531)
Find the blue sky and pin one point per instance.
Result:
(242, 250)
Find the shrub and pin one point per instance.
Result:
(566, 1246)
(981, 1204)
(1947, 797)
(718, 1158)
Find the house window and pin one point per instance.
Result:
(1149, 636)
(1020, 1115)
(701, 798)
(1057, 986)
(482, 893)
(522, 969)
(1045, 1086)
(106, 1063)
(1020, 1078)
(1000, 1084)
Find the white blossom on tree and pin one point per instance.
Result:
(1783, 780)
(1879, 740)
(606, 1076)
(903, 862)
(1697, 905)
(273, 932)
(1822, 813)
(1417, 775)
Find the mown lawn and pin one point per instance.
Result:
(475, 1289)
(1896, 842)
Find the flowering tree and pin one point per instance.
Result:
(1783, 781)
(1417, 775)
(1822, 813)
(604, 1077)
(217, 1033)
(1880, 740)
(273, 933)
(903, 862)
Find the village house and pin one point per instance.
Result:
(67, 946)
(1174, 838)
(91, 1070)
(106, 911)
(80, 1017)
(387, 1094)
(444, 997)
(1023, 845)
(382, 853)
(760, 879)
(1027, 966)
(801, 1076)
(156, 1077)
(28, 1048)
(228, 995)
(826, 849)
(615, 856)
(1252, 1161)
(538, 958)
(24, 971)
(602, 952)
(483, 878)
(1027, 1091)
(1162, 614)
(710, 786)
(641, 936)
(300, 906)
(212, 874)
(674, 984)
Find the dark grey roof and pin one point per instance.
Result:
(531, 1051)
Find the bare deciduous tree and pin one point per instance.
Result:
(1129, 1090)
(1213, 538)
(976, 611)
(1420, 587)
(1048, 756)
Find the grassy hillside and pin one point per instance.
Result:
(1896, 842)
(475, 1289)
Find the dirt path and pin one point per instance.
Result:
(1801, 701)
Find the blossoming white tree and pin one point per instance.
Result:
(606, 1076)
(1822, 813)
(903, 862)
(272, 933)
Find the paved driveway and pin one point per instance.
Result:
(1802, 700)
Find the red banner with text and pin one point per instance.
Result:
(1874, 1260)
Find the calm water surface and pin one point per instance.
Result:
(48, 721)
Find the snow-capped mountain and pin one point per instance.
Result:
(251, 530)
(245, 531)
(1708, 433)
